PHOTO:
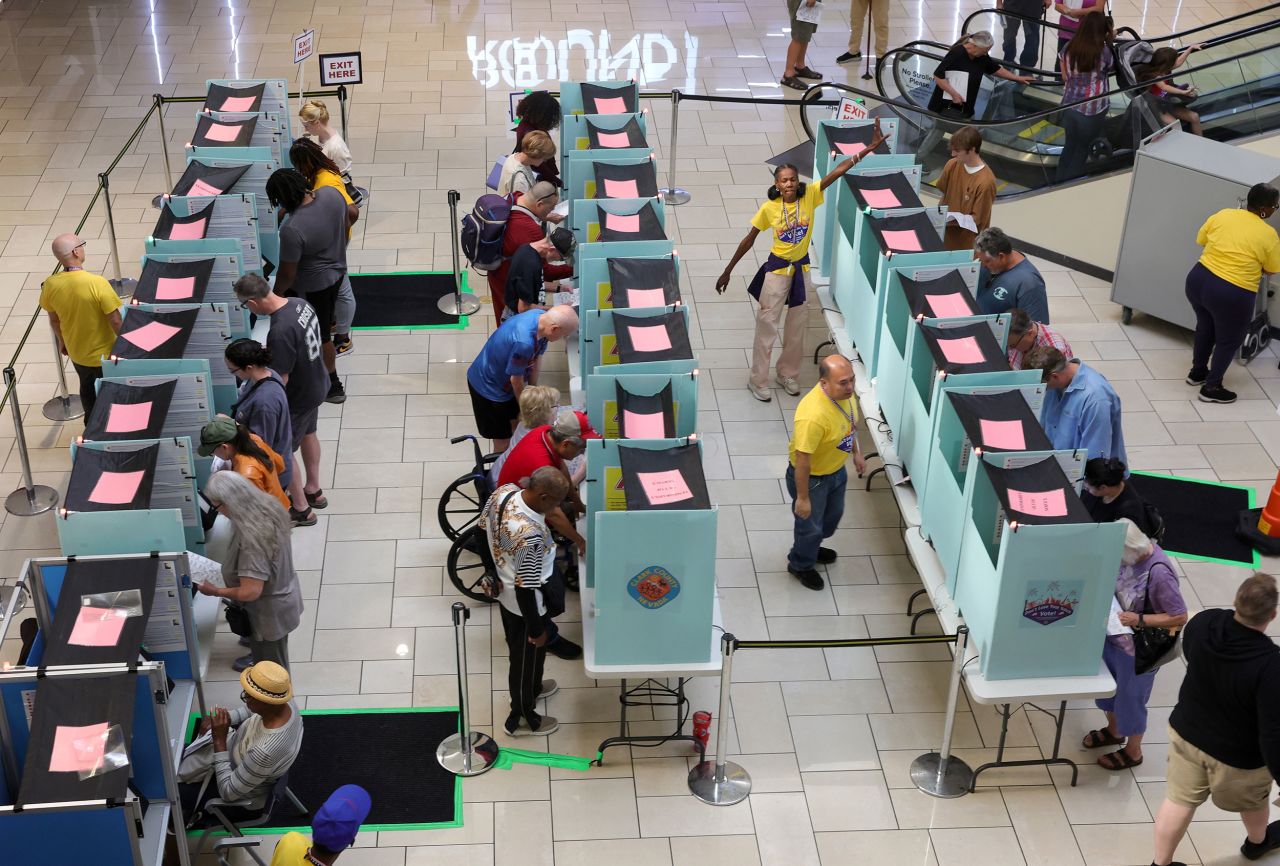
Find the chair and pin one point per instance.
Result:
(280, 794)
(222, 850)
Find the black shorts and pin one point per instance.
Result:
(493, 419)
(303, 425)
(324, 302)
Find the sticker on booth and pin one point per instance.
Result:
(609, 349)
(615, 496)
(654, 587)
(1053, 602)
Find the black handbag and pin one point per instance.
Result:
(1152, 647)
(238, 620)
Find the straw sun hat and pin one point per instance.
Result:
(267, 682)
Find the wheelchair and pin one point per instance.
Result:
(462, 501)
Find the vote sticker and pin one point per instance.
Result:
(654, 587)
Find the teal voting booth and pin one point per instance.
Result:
(1036, 574)
(603, 133)
(175, 262)
(258, 163)
(243, 129)
(609, 396)
(597, 221)
(230, 215)
(268, 96)
(598, 97)
(589, 175)
(638, 341)
(642, 281)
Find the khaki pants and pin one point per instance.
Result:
(879, 19)
(773, 300)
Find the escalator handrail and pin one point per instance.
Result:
(811, 95)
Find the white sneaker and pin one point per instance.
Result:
(791, 386)
(761, 394)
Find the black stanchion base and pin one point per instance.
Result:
(1247, 529)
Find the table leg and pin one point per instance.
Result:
(649, 693)
(1005, 713)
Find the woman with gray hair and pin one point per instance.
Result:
(956, 83)
(258, 567)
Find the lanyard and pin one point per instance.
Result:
(847, 414)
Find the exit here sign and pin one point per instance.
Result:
(339, 69)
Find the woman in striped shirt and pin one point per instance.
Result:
(1087, 62)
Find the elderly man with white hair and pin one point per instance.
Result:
(84, 311)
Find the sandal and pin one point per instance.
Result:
(316, 500)
(806, 72)
(793, 82)
(1099, 738)
(302, 518)
(1118, 760)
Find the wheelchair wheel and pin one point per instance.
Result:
(468, 566)
(460, 505)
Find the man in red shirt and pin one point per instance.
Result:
(552, 445)
(526, 224)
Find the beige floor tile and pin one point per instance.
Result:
(692, 851)
(831, 797)
(877, 848)
(619, 852)
(594, 809)
(783, 830)
(997, 846)
(1128, 843)
(834, 743)
(686, 816)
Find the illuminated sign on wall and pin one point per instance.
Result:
(584, 55)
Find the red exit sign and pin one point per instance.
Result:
(338, 69)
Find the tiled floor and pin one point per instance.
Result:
(826, 735)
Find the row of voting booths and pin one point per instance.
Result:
(1031, 574)
(648, 590)
(92, 726)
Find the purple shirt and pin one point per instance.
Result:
(1131, 591)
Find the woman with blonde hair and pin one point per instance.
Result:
(315, 121)
(518, 172)
(538, 405)
(257, 569)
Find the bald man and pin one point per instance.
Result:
(84, 311)
(826, 433)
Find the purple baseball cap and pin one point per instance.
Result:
(339, 819)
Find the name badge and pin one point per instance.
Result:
(846, 444)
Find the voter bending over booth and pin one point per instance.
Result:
(1081, 410)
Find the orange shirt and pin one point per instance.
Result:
(252, 469)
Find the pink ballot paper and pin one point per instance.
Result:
(188, 231)
(116, 488)
(1003, 434)
(151, 335)
(202, 188)
(852, 148)
(1050, 503)
(948, 306)
(962, 351)
(77, 749)
(880, 198)
(622, 222)
(97, 626)
(902, 242)
(661, 488)
(175, 288)
(237, 103)
(612, 105)
(128, 417)
(646, 298)
(223, 132)
(649, 426)
(621, 188)
(651, 338)
(614, 139)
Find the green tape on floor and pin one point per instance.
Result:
(507, 758)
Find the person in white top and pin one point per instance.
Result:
(315, 122)
(517, 172)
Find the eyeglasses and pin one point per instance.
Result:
(80, 245)
(244, 697)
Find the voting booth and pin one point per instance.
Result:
(158, 336)
(1036, 574)
(604, 133)
(643, 405)
(840, 205)
(611, 223)
(588, 175)
(262, 96)
(638, 341)
(226, 215)
(598, 97)
(254, 165)
(243, 129)
(628, 282)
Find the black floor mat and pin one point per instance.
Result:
(1200, 517)
(404, 301)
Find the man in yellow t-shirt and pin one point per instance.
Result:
(333, 830)
(826, 433)
(84, 311)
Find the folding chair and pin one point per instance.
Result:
(280, 794)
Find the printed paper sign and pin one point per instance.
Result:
(621, 188)
(644, 426)
(646, 298)
(663, 488)
(338, 69)
(238, 103)
(651, 338)
(175, 288)
(1049, 503)
(851, 109)
(152, 335)
(611, 105)
(880, 198)
(97, 626)
(128, 417)
(223, 132)
(77, 749)
(202, 188)
(1003, 434)
(962, 351)
(116, 488)
(902, 241)
(948, 306)
(304, 46)
(851, 148)
(622, 222)
(614, 139)
(188, 231)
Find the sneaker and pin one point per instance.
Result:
(343, 345)
(790, 385)
(1270, 843)
(245, 661)
(826, 555)
(849, 57)
(1197, 377)
(549, 688)
(546, 725)
(563, 648)
(244, 642)
(337, 394)
(302, 518)
(808, 577)
(761, 394)
(1216, 394)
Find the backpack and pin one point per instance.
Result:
(483, 230)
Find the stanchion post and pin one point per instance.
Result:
(122, 286)
(866, 70)
(164, 144)
(468, 752)
(63, 406)
(342, 107)
(30, 499)
(940, 773)
(721, 783)
(460, 303)
(673, 194)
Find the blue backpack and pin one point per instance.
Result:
(483, 230)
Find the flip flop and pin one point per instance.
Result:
(1100, 738)
(1118, 760)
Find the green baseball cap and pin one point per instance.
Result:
(219, 431)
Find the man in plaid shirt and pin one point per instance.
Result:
(1025, 335)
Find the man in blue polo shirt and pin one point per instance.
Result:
(508, 362)
(1081, 410)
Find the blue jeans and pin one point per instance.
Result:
(826, 498)
(1030, 32)
(1080, 130)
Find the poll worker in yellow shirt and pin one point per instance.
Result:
(1222, 287)
(84, 311)
(783, 280)
(826, 434)
(333, 830)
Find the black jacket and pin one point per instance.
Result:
(1229, 704)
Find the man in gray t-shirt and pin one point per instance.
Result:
(1008, 279)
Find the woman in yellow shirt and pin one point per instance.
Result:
(783, 280)
(1223, 286)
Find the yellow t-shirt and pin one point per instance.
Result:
(82, 301)
(821, 428)
(791, 224)
(291, 850)
(324, 177)
(1238, 246)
